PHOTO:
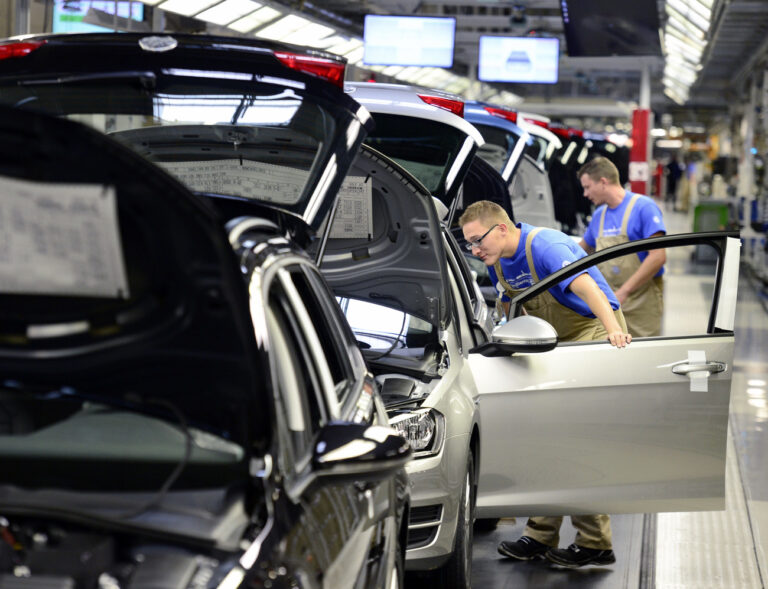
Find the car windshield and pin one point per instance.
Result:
(61, 439)
(382, 331)
(427, 149)
(223, 135)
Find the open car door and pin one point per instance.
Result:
(582, 427)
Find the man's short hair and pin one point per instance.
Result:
(600, 167)
(486, 212)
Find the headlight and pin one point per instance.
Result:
(424, 429)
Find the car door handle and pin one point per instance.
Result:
(687, 368)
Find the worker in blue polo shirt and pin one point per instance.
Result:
(580, 308)
(620, 217)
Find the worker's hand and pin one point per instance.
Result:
(619, 339)
(621, 294)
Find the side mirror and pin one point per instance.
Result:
(353, 452)
(521, 334)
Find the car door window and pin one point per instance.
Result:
(335, 337)
(688, 268)
(301, 372)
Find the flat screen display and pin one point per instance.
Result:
(600, 28)
(68, 16)
(408, 40)
(532, 60)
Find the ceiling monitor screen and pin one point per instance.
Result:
(408, 40)
(601, 28)
(72, 16)
(532, 60)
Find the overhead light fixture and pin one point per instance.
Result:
(406, 73)
(309, 35)
(279, 29)
(392, 70)
(187, 7)
(685, 38)
(345, 45)
(263, 15)
(355, 57)
(229, 11)
(688, 16)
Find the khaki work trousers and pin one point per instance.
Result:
(593, 531)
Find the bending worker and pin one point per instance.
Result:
(580, 308)
(620, 217)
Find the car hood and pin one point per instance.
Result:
(118, 285)
(385, 245)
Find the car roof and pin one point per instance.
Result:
(402, 99)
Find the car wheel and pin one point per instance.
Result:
(457, 572)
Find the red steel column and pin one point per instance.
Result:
(639, 155)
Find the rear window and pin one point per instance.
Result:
(224, 136)
(427, 149)
(498, 145)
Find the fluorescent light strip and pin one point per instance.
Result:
(309, 35)
(187, 7)
(281, 28)
(355, 57)
(688, 17)
(685, 27)
(255, 19)
(693, 53)
(331, 41)
(229, 11)
(685, 37)
(408, 73)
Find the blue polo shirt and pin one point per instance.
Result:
(645, 220)
(551, 250)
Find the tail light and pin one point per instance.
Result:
(330, 70)
(510, 115)
(537, 122)
(19, 49)
(454, 106)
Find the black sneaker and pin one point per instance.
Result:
(577, 556)
(524, 549)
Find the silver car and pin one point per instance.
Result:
(511, 422)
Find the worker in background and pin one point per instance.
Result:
(672, 171)
(619, 217)
(580, 308)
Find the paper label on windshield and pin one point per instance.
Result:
(248, 179)
(60, 239)
(353, 217)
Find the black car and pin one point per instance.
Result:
(182, 403)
